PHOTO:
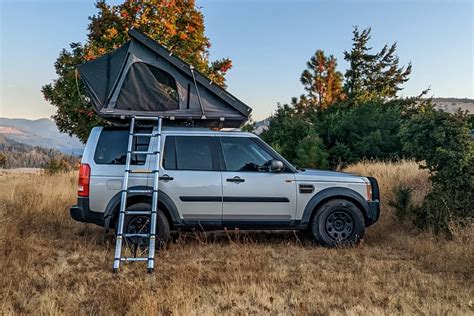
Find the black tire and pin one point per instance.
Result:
(338, 222)
(141, 224)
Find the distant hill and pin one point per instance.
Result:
(451, 105)
(42, 133)
(25, 156)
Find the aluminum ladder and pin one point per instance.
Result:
(151, 235)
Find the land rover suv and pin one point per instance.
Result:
(211, 180)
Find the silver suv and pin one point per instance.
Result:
(214, 180)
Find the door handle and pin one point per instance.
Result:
(235, 179)
(166, 177)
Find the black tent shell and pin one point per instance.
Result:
(143, 78)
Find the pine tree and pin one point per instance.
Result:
(322, 81)
(373, 74)
(176, 24)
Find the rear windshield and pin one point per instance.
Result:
(112, 147)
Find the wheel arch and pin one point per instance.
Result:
(330, 194)
(165, 203)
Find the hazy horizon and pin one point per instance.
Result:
(269, 43)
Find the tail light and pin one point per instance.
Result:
(84, 180)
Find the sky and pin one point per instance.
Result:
(268, 41)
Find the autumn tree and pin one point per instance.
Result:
(373, 74)
(322, 81)
(176, 24)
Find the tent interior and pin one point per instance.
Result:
(143, 78)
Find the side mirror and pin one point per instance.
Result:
(276, 166)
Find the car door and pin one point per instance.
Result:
(252, 195)
(191, 177)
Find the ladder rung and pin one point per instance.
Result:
(147, 118)
(139, 191)
(126, 259)
(138, 212)
(139, 152)
(145, 135)
(136, 235)
(142, 171)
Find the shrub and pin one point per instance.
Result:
(402, 203)
(441, 142)
(3, 160)
(55, 166)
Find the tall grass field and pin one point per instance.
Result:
(53, 265)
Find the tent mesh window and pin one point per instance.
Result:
(161, 93)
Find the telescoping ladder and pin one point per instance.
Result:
(151, 235)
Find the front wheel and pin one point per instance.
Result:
(338, 223)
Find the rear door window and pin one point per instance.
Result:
(190, 153)
(112, 147)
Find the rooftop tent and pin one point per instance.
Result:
(144, 78)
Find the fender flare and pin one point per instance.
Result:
(163, 198)
(333, 193)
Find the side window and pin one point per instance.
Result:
(169, 155)
(112, 148)
(189, 153)
(243, 154)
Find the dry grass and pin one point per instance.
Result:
(53, 265)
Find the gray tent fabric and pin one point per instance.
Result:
(144, 78)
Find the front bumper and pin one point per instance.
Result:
(373, 213)
(82, 213)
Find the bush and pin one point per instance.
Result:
(440, 142)
(402, 203)
(3, 160)
(55, 166)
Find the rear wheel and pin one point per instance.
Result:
(140, 224)
(338, 222)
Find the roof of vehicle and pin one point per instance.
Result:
(201, 130)
(173, 130)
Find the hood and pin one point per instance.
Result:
(324, 175)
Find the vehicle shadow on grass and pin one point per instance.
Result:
(242, 237)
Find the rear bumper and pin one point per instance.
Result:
(82, 213)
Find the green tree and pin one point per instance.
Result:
(322, 81)
(368, 131)
(287, 128)
(178, 25)
(310, 153)
(373, 75)
(440, 141)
